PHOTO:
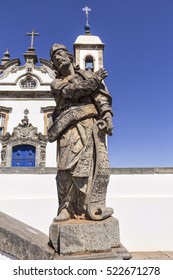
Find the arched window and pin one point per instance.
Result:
(47, 117)
(29, 82)
(89, 63)
(23, 155)
(4, 116)
(49, 120)
(2, 123)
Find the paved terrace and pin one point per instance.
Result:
(152, 255)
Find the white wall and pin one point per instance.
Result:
(34, 107)
(144, 206)
(142, 203)
(29, 198)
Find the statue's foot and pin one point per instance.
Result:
(63, 216)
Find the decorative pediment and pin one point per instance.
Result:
(24, 132)
(13, 70)
(25, 81)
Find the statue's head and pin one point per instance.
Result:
(55, 47)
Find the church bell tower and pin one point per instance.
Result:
(88, 49)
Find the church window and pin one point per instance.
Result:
(47, 117)
(2, 123)
(23, 155)
(89, 63)
(49, 120)
(29, 69)
(4, 116)
(29, 82)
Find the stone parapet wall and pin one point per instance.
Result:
(142, 170)
(113, 171)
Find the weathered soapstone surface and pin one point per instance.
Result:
(22, 241)
(80, 122)
(84, 236)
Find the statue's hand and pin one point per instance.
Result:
(109, 125)
(101, 74)
(58, 84)
(105, 124)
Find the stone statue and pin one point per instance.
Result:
(81, 120)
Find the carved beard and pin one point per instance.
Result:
(63, 64)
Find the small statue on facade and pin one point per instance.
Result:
(81, 120)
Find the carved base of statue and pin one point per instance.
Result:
(87, 239)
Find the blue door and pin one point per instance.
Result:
(23, 155)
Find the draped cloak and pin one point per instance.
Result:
(82, 158)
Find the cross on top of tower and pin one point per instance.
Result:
(32, 34)
(87, 26)
(86, 10)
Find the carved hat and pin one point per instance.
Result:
(56, 47)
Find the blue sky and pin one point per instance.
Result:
(138, 37)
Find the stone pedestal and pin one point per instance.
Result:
(87, 239)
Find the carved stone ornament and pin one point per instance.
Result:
(28, 82)
(24, 133)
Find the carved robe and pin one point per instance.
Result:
(82, 159)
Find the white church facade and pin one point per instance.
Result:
(26, 103)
